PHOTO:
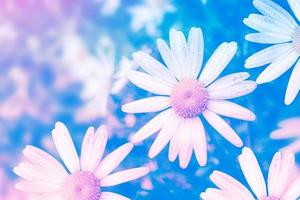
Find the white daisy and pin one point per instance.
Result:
(289, 129)
(283, 184)
(183, 96)
(277, 27)
(86, 177)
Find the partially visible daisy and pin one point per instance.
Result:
(182, 96)
(149, 15)
(85, 178)
(277, 27)
(283, 184)
(289, 129)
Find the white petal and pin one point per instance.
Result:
(65, 147)
(267, 24)
(292, 122)
(112, 196)
(293, 85)
(200, 144)
(165, 135)
(252, 172)
(124, 176)
(269, 8)
(223, 128)
(37, 187)
(113, 160)
(229, 109)
(168, 57)
(148, 83)
(268, 38)
(228, 183)
(196, 48)
(293, 147)
(151, 127)
(175, 141)
(93, 147)
(186, 143)
(217, 62)
(280, 172)
(237, 90)
(178, 47)
(227, 81)
(285, 133)
(38, 157)
(278, 67)
(267, 55)
(150, 104)
(293, 191)
(287, 170)
(295, 6)
(154, 67)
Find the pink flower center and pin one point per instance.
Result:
(189, 98)
(81, 185)
(296, 40)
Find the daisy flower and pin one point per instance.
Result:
(288, 129)
(282, 182)
(277, 27)
(84, 178)
(183, 96)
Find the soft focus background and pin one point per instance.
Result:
(64, 60)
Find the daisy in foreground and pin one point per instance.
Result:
(289, 129)
(47, 179)
(184, 95)
(282, 182)
(277, 27)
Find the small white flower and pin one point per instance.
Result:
(277, 27)
(86, 177)
(183, 96)
(283, 183)
(289, 129)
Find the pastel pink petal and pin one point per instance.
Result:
(150, 104)
(124, 176)
(164, 136)
(217, 62)
(223, 128)
(154, 67)
(293, 122)
(39, 157)
(252, 172)
(65, 147)
(293, 147)
(227, 81)
(148, 83)
(229, 184)
(93, 148)
(186, 144)
(200, 144)
(293, 191)
(112, 196)
(293, 85)
(151, 127)
(229, 109)
(37, 187)
(112, 160)
(175, 141)
(285, 133)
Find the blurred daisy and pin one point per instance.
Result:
(86, 177)
(182, 96)
(149, 15)
(282, 182)
(277, 27)
(289, 129)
